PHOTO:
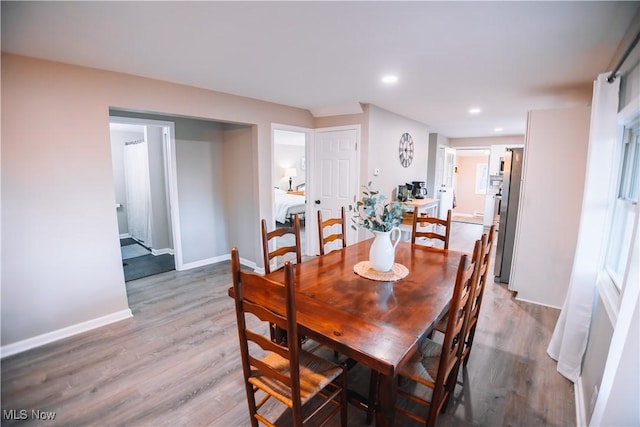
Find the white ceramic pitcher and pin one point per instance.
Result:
(382, 252)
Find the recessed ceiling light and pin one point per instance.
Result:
(474, 110)
(389, 79)
(498, 129)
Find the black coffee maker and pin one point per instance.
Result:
(403, 193)
(418, 189)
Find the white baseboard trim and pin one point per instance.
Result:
(163, 251)
(217, 259)
(581, 413)
(49, 337)
(535, 302)
(125, 236)
(250, 264)
(203, 262)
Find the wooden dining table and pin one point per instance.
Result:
(374, 323)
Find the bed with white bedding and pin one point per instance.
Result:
(288, 204)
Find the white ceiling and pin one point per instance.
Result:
(503, 57)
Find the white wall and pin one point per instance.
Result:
(595, 356)
(288, 156)
(385, 130)
(554, 159)
(61, 263)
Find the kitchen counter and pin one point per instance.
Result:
(420, 202)
(426, 205)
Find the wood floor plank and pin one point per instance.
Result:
(176, 363)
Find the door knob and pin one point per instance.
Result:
(317, 202)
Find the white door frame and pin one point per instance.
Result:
(441, 179)
(171, 176)
(311, 162)
(308, 142)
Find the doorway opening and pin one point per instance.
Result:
(471, 178)
(289, 175)
(141, 168)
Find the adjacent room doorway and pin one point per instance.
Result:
(289, 176)
(141, 159)
(445, 179)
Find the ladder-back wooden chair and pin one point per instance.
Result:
(442, 324)
(284, 372)
(481, 283)
(329, 223)
(282, 251)
(432, 233)
(435, 365)
(483, 277)
(289, 251)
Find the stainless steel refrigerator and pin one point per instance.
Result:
(512, 179)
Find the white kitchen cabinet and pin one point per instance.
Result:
(495, 157)
(489, 210)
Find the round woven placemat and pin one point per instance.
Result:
(398, 271)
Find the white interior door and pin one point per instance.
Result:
(138, 193)
(334, 182)
(445, 169)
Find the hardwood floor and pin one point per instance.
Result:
(176, 362)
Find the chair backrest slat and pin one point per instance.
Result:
(323, 224)
(268, 236)
(425, 220)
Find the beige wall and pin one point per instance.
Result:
(467, 201)
(61, 261)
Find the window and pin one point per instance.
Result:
(624, 205)
(482, 177)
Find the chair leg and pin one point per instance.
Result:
(278, 335)
(343, 399)
(373, 395)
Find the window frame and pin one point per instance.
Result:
(611, 285)
(622, 204)
(482, 178)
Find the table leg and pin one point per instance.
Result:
(387, 392)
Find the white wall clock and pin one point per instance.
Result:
(405, 150)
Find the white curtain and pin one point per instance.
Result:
(569, 339)
(138, 194)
